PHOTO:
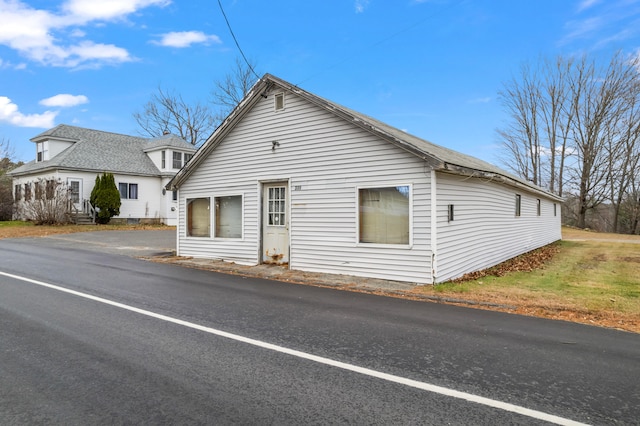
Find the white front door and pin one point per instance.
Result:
(75, 192)
(275, 223)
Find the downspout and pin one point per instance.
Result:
(434, 228)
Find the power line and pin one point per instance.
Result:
(236, 41)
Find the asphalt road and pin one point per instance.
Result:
(145, 343)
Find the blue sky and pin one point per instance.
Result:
(430, 67)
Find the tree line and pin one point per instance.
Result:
(573, 128)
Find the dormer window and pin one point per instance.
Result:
(177, 160)
(42, 149)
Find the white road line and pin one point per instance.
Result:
(322, 360)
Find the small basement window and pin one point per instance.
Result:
(279, 101)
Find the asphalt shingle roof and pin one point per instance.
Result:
(439, 157)
(95, 150)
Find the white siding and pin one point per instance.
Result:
(149, 204)
(325, 160)
(485, 230)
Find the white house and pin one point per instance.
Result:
(74, 156)
(292, 178)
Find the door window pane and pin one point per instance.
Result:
(228, 217)
(277, 206)
(384, 215)
(74, 187)
(198, 217)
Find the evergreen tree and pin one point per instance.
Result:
(105, 197)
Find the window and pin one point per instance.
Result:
(198, 217)
(27, 191)
(279, 101)
(187, 157)
(164, 159)
(175, 195)
(38, 190)
(228, 216)
(518, 204)
(50, 189)
(177, 160)
(277, 203)
(450, 213)
(538, 207)
(555, 211)
(128, 190)
(42, 149)
(18, 192)
(384, 215)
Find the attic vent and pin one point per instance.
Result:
(279, 101)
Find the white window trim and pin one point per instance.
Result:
(284, 103)
(129, 191)
(213, 216)
(357, 213)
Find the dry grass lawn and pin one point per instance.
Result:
(588, 277)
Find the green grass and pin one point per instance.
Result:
(14, 223)
(595, 279)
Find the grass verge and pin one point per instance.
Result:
(593, 282)
(20, 229)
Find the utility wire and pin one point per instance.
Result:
(236, 41)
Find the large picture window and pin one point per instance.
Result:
(198, 217)
(384, 215)
(228, 216)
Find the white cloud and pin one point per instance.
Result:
(586, 4)
(186, 39)
(361, 5)
(9, 113)
(64, 100)
(484, 100)
(89, 10)
(41, 35)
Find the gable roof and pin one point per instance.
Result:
(98, 151)
(438, 157)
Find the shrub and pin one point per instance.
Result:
(105, 197)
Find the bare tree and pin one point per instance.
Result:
(573, 126)
(600, 101)
(522, 99)
(168, 111)
(6, 186)
(536, 135)
(228, 93)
